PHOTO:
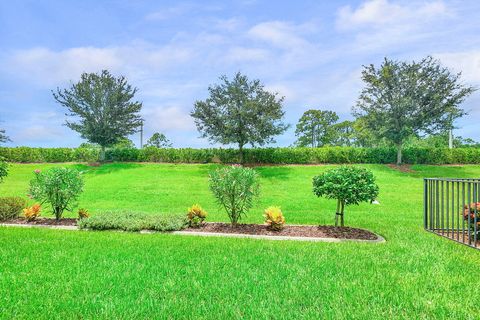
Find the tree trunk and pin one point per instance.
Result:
(341, 216)
(450, 139)
(241, 158)
(102, 154)
(337, 213)
(399, 154)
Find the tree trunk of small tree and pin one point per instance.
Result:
(240, 154)
(339, 212)
(399, 154)
(102, 154)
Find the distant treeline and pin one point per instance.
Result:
(335, 155)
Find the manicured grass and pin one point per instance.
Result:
(61, 274)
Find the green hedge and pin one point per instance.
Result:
(255, 155)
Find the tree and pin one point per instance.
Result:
(348, 185)
(402, 99)
(159, 140)
(315, 128)
(3, 136)
(343, 133)
(102, 108)
(239, 111)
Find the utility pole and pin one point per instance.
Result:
(450, 134)
(141, 135)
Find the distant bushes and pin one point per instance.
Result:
(412, 155)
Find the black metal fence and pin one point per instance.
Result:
(452, 209)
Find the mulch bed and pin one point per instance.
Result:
(249, 229)
(292, 231)
(44, 222)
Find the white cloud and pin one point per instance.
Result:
(48, 67)
(381, 13)
(168, 118)
(280, 33)
(237, 54)
(467, 62)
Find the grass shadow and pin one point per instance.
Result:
(106, 168)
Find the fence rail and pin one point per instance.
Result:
(452, 209)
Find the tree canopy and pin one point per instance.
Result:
(315, 128)
(404, 99)
(101, 108)
(159, 140)
(239, 111)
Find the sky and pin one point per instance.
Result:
(310, 52)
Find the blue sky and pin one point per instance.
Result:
(309, 51)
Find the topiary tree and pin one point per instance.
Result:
(235, 188)
(60, 187)
(349, 185)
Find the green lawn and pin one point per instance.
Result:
(61, 274)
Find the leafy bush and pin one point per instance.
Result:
(235, 188)
(83, 213)
(196, 216)
(133, 221)
(33, 212)
(60, 187)
(11, 207)
(349, 185)
(334, 155)
(3, 169)
(274, 218)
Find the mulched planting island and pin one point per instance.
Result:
(44, 222)
(292, 231)
(249, 229)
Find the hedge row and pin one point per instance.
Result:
(254, 156)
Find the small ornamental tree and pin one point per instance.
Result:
(60, 187)
(349, 185)
(235, 188)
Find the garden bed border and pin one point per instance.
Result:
(380, 239)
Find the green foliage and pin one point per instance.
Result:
(235, 188)
(101, 108)
(402, 99)
(411, 155)
(348, 185)
(133, 221)
(11, 207)
(159, 140)
(124, 143)
(60, 187)
(3, 136)
(3, 169)
(315, 128)
(196, 216)
(241, 112)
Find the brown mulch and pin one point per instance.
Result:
(44, 221)
(293, 231)
(405, 168)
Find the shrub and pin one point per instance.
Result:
(132, 221)
(274, 218)
(83, 213)
(234, 188)
(11, 207)
(33, 212)
(196, 216)
(60, 187)
(348, 185)
(3, 169)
